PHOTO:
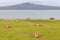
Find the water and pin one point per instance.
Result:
(40, 14)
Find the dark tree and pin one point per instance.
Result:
(52, 18)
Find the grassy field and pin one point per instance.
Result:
(24, 30)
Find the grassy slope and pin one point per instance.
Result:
(24, 30)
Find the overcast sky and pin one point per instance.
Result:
(44, 2)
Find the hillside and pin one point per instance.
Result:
(29, 6)
(24, 30)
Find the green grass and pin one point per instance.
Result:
(24, 30)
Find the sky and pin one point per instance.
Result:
(35, 14)
(43, 2)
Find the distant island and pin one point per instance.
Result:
(29, 6)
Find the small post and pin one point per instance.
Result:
(17, 20)
(36, 34)
(7, 25)
(37, 24)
